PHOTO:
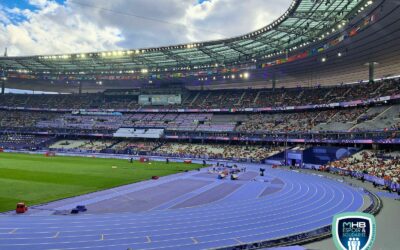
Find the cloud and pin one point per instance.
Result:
(87, 25)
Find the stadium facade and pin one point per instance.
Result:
(308, 45)
(319, 88)
(285, 83)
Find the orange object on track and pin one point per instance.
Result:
(21, 208)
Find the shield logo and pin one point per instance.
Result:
(354, 231)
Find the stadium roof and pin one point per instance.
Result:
(304, 22)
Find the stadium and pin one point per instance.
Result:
(258, 141)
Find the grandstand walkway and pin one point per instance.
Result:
(216, 213)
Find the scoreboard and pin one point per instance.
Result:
(160, 99)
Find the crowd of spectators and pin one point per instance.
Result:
(300, 121)
(204, 122)
(249, 153)
(88, 146)
(217, 151)
(383, 166)
(27, 142)
(239, 98)
(134, 147)
(22, 119)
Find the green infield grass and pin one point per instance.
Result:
(36, 179)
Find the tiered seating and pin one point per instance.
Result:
(243, 98)
(342, 120)
(22, 119)
(16, 141)
(83, 122)
(369, 162)
(139, 133)
(212, 127)
(302, 121)
(133, 146)
(388, 118)
(69, 144)
(217, 151)
(82, 145)
(329, 120)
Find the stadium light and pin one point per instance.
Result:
(339, 54)
(323, 59)
(246, 75)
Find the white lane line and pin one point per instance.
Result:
(56, 235)
(309, 216)
(87, 217)
(190, 214)
(285, 201)
(238, 241)
(234, 226)
(13, 231)
(305, 194)
(352, 194)
(217, 215)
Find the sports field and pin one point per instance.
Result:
(36, 179)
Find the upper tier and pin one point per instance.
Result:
(240, 100)
(302, 23)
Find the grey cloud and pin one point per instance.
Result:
(79, 28)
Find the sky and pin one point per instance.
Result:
(38, 27)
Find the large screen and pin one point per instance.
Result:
(159, 99)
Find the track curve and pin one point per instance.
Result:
(303, 203)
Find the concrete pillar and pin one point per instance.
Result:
(371, 67)
(80, 87)
(3, 86)
(273, 80)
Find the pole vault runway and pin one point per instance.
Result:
(193, 210)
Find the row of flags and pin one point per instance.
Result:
(315, 51)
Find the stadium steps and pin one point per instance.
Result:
(378, 88)
(195, 98)
(384, 112)
(158, 146)
(386, 119)
(370, 112)
(113, 144)
(300, 95)
(186, 99)
(241, 98)
(205, 99)
(131, 103)
(331, 118)
(328, 94)
(257, 96)
(315, 117)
